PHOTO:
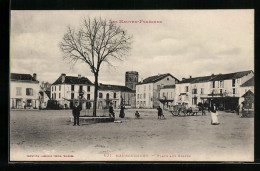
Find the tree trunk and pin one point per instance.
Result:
(95, 96)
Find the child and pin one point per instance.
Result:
(137, 115)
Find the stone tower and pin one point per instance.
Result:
(131, 79)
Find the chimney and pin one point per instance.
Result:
(190, 76)
(34, 76)
(79, 76)
(63, 77)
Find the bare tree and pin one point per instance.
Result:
(96, 41)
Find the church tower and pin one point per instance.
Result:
(131, 79)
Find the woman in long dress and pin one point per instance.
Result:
(213, 113)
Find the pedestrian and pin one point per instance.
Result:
(238, 108)
(137, 115)
(203, 110)
(122, 112)
(111, 110)
(160, 113)
(76, 113)
(213, 112)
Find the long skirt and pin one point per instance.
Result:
(214, 118)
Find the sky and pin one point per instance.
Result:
(185, 43)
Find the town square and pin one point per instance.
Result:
(88, 88)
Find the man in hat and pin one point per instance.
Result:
(76, 112)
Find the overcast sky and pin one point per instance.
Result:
(187, 42)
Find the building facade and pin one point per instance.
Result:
(67, 89)
(167, 96)
(131, 79)
(222, 89)
(24, 91)
(116, 94)
(148, 91)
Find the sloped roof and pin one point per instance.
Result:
(23, 77)
(248, 94)
(168, 86)
(156, 78)
(115, 88)
(73, 80)
(187, 80)
(234, 75)
(215, 77)
(248, 83)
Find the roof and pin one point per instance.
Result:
(23, 77)
(156, 78)
(229, 76)
(218, 77)
(73, 80)
(248, 83)
(249, 93)
(168, 86)
(115, 88)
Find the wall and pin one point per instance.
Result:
(23, 96)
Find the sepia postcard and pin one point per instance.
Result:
(131, 85)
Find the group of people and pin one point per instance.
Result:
(77, 108)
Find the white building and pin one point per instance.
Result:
(222, 89)
(24, 91)
(167, 96)
(115, 94)
(67, 89)
(148, 91)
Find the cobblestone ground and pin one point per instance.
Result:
(48, 135)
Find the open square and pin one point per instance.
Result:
(48, 135)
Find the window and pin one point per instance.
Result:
(140, 96)
(18, 91)
(52, 88)
(187, 88)
(88, 89)
(171, 94)
(72, 87)
(221, 91)
(163, 94)
(54, 95)
(144, 88)
(59, 95)
(194, 100)
(194, 91)
(233, 82)
(80, 88)
(107, 96)
(168, 79)
(72, 95)
(100, 95)
(137, 96)
(149, 87)
(167, 95)
(55, 88)
(88, 96)
(213, 84)
(144, 95)
(221, 84)
(234, 91)
(202, 91)
(114, 95)
(29, 91)
(59, 87)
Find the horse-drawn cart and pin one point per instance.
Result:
(184, 110)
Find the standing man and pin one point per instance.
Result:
(76, 112)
